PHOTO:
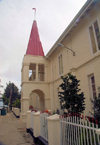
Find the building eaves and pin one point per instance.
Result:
(71, 25)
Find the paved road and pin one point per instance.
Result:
(13, 131)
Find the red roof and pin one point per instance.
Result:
(34, 44)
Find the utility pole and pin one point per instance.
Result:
(1, 86)
(10, 98)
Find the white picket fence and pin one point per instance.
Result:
(44, 126)
(78, 131)
(70, 130)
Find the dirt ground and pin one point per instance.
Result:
(13, 131)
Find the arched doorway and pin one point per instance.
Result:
(37, 100)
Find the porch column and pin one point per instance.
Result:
(37, 72)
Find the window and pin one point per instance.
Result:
(92, 86)
(41, 72)
(95, 36)
(60, 64)
(32, 72)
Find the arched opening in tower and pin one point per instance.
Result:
(36, 100)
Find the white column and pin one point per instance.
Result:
(25, 73)
(54, 130)
(36, 124)
(28, 119)
(37, 72)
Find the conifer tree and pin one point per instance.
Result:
(96, 107)
(11, 95)
(70, 96)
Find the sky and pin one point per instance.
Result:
(16, 18)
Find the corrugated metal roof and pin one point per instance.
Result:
(34, 45)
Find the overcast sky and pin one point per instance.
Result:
(16, 18)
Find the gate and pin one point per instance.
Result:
(44, 126)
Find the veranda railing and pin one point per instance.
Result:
(78, 130)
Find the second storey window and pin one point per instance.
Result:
(92, 86)
(60, 64)
(95, 36)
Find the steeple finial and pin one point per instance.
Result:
(34, 13)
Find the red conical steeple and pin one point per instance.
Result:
(34, 45)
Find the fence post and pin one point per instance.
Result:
(98, 131)
(28, 120)
(54, 130)
(36, 124)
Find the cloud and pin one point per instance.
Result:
(16, 18)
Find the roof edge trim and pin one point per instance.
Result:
(70, 26)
